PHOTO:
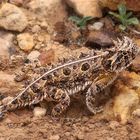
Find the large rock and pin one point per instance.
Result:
(128, 96)
(53, 10)
(124, 103)
(86, 8)
(133, 5)
(12, 18)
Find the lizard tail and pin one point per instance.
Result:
(25, 99)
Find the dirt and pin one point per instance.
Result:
(21, 125)
(77, 123)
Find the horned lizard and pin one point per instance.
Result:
(88, 75)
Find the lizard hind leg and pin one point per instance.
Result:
(62, 98)
(91, 100)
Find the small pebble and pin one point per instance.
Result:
(80, 136)
(41, 38)
(33, 55)
(36, 29)
(38, 46)
(25, 41)
(67, 134)
(110, 138)
(136, 112)
(55, 137)
(44, 24)
(39, 112)
(113, 124)
(96, 26)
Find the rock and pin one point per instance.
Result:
(108, 23)
(38, 46)
(98, 38)
(4, 49)
(7, 36)
(25, 41)
(33, 55)
(12, 18)
(130, 4)
(124, 102)
(136, 112)
(132, 80)
(61, 32)
(44, 24)
(67, 134)
(6, 41)
(55, 137)
(113, 124)
(40, 38)
(86, 8)
(109, 138)
(47, 56)
(39, 112)
(7, 83)
(36, 29)
(16, 61)
(80, 136)
(51, 7)
(96, 26)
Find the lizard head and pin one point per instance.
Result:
(121, 55)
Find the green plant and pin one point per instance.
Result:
(124, 17)
(80, 22)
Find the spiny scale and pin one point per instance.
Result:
(90, 73)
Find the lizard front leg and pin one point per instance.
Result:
(95, 91)
(58, 95)
(91, 100)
